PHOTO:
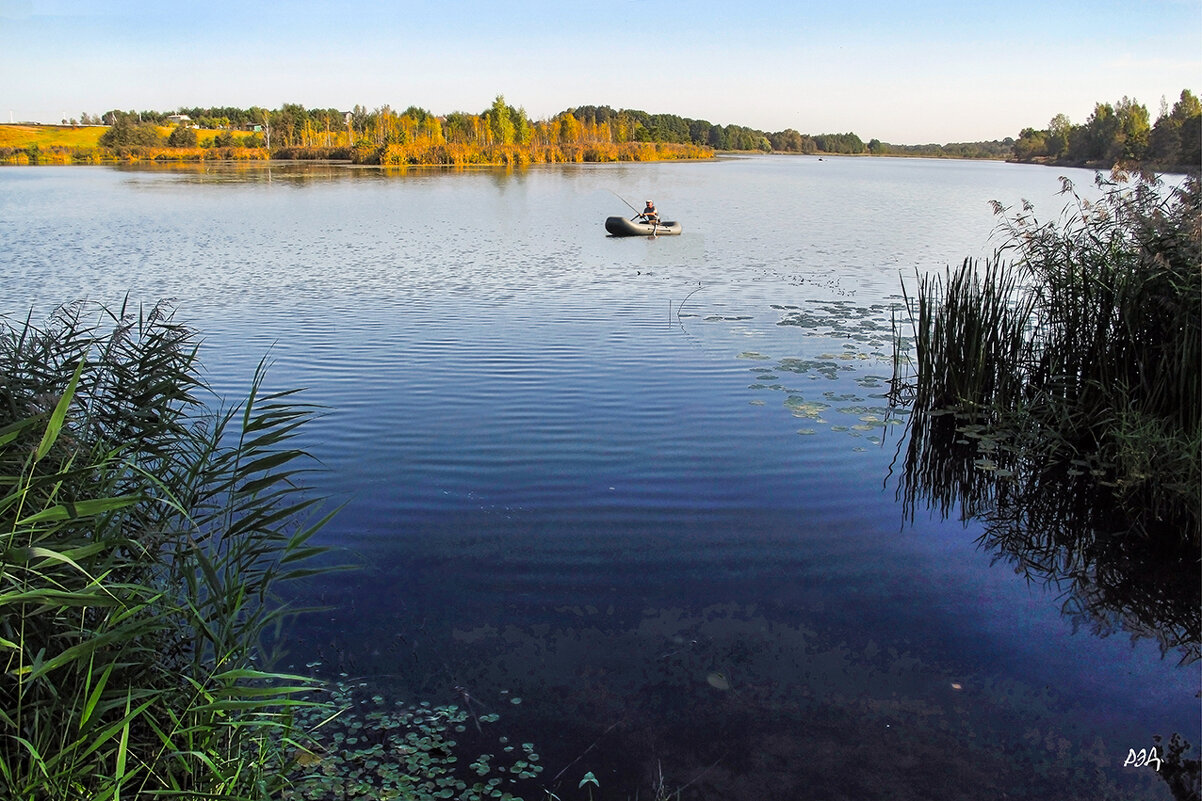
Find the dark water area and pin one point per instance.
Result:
(646, 488)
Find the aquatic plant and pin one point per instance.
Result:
(1056, 396)
(376, 749)
(142, 531)
(1085, 345)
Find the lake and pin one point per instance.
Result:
(631, 502)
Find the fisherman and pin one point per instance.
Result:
(649, 214)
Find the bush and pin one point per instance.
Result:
(128, 133)
(182, 136)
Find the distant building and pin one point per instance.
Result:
(180, 119)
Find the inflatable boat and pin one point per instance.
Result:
(620, 226)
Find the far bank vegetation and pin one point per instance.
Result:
(1121, 133)
(500, 135)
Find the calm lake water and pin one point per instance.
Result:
(646, 486)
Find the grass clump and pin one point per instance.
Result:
(1085, 345)
(141, 536)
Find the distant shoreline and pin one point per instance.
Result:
(25, 144)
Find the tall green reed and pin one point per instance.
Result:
(1080, 341)
(142, 537)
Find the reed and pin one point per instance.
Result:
(141, 536)
(1078, 342)
(1055, 397)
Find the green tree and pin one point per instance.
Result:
(182, 136)
(1176, 139)
(126, 131)
(786, 141)
(500, 123)
(1134, 126)
(457, 127)
(1031, 144)
(1059, 131)
(840, 143)
(716, 138)
(1100, 136)
(288, 123)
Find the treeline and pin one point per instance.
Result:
(391, 134)
(995, 149)
(500, 134)
(1121, 133)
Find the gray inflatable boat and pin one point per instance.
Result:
(620, 226)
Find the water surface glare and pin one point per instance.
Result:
(643, 484)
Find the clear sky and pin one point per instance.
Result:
(928, 71)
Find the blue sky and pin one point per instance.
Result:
(903, 73)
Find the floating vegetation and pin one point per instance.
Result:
(824, 366)
(800, 407)
(378, 752)
(863, 325)
(857, 336)
(870, 417)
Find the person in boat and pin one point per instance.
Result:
(649, 214)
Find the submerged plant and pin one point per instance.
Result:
(141, 537)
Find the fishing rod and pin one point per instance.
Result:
(619, 197)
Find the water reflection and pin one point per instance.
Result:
(303, 173)
(1057, 524)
